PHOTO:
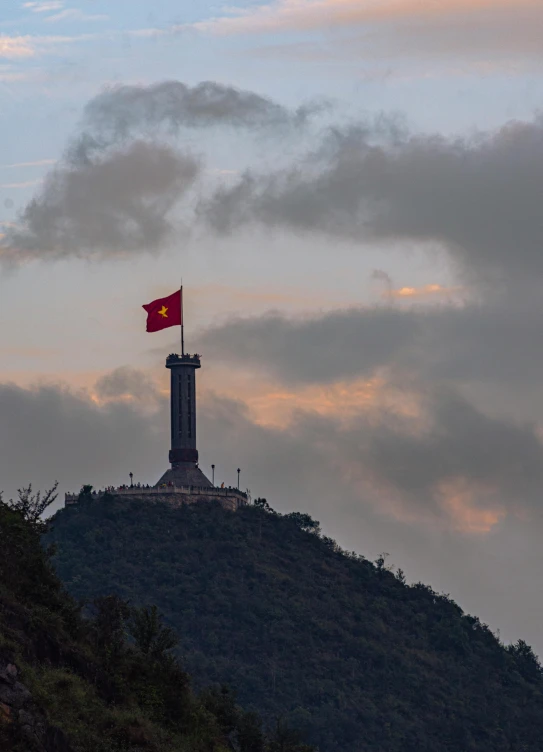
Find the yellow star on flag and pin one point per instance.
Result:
(163, 312)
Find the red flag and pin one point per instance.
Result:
(164, 312)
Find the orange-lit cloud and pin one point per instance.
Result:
(426, 291)
(29, 352)
(13, 48)
(471, 507)
(306, 15)
(459, 504)
(271, 405)
(275, 405)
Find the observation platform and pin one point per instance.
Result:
(229, 498)
(183, 360)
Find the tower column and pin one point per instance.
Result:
(183, 452)
(183, 408)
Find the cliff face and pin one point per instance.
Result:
(105, 683)
(334, 644)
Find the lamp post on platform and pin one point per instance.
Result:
(213, 474)
(239, 471)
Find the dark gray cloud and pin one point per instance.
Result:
(458, 442)
(127, 382)
(374, 181)
(340, 344)
(120, 110)
(119, 179)
(383, 277)
(119, 202)
(479, 196)
(383, 451)
(499, 342)
(50, 433)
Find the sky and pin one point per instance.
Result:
(350, 191)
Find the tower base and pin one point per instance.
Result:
(184, 475)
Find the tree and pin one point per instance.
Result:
(526, 660)
(286, 739)
(109, 627)
(149, 634)
(380, 562)
(250, 735)
(263, 504)
(304, 522)
(32, 506)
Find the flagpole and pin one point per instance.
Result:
(182, 322)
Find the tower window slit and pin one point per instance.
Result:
(180, 392)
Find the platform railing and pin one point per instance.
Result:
(165, 490)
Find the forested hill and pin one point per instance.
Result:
(335, 645)
(104, 683)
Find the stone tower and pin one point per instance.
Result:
(183, 453)
(184, 483)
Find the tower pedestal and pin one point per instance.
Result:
(183, 475)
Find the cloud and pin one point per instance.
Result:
(126, 383)
(383, 276)
(23, 351)
(449, 467)
(415, 293)
(45, 6)
(491, 343)
(490, 463)
(8, 74)
(20, 47)
(446, 464)
(303, 15)
(75, 14)
(24, 184)
(395, 29)
(340, 344)
(37, 163)
(14, 48)
(119, 110)
(477, 197)
(370, 182)
(117, 203)
(73, 439)
(113, 192)
(426, 291)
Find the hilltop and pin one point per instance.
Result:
(332, 643)
(104, 683)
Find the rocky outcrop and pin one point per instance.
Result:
(20, 717)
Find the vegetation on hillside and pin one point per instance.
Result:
(105, 683)
(332, 643)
